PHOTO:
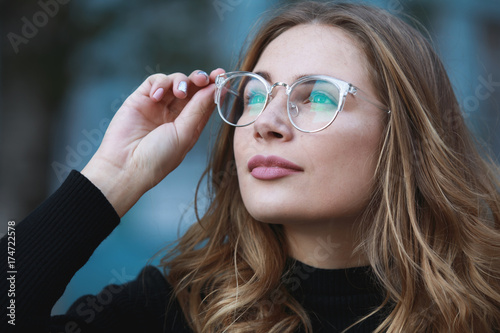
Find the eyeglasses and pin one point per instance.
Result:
(313, 102)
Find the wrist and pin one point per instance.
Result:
(118, 186)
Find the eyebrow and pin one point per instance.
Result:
(267, 76)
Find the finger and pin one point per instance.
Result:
(199, 78)
(156, 85)
(181, 86)
(216, 72)
(161, 84)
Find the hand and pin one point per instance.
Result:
(150, 135)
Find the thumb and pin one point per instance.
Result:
(195, 115)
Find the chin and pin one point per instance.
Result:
(285, 217)
(271, 217)
(296, 216)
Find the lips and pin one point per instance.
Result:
(271, 167)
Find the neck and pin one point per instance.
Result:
(328, 245)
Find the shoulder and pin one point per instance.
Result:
(150, 284)
(144, 304)
(151, 279)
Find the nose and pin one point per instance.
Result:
(273, 123)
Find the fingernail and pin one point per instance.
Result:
(182, 86)
(158, 94)
(204, 74)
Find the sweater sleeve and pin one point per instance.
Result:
(51, 245)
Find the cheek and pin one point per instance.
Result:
(242, 147)
(342, 168)
(341, 177)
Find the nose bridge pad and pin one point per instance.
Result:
(294, 109)
(271, 96)
(275, 85)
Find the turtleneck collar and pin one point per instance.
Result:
(335, 298)
(332, 282)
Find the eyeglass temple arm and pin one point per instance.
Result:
(232, 92)
(355, 91)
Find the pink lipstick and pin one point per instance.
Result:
(271, 167)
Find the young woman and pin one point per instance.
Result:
(346, 194)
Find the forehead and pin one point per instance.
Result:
(313, 49)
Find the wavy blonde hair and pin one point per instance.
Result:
(432, 238)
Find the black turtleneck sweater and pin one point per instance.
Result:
(58, 238)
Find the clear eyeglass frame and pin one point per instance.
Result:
(345, 88)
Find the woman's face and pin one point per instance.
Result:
(333, 169)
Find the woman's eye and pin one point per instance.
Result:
(256, 99)
(320, 98)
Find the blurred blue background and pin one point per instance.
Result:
(66, 67)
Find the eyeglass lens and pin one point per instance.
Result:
(312, 104)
